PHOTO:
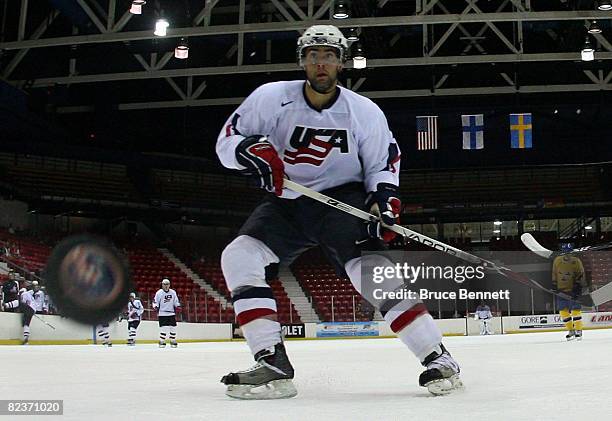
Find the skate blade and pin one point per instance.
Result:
(445, 386)
(276, 389)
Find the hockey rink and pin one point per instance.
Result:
(534, 376)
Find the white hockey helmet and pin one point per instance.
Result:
(132, 295)
(165, 281)
(322, 36)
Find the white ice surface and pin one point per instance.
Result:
(514, 377)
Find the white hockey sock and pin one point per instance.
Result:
(103, 334)
(163, 332)
(172, 333)
(26, 332)
(132, 333)
(261, 334)
(408, 318)
(421, 336)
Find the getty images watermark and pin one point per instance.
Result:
(409, 274)
(391, 277)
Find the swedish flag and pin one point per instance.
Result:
(520, 131)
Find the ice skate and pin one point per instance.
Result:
(578, 335)
(269, 378)
(25, 341)
(173, 344)
(571, 335)
(131, 342)
(107, 344)
(162, 344)
(442, 374)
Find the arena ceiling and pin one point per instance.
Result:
(88, 48)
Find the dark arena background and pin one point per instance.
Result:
(502, 110)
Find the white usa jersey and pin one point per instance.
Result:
(135, 310)
(39, 300)
(166, 302)
(348, 141)
(28, 300)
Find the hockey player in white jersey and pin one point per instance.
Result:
(484, 315)
(135, 311)
(167, 304)
(39, 298)
(337, 142)
(27, 306)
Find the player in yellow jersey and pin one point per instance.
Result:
(568, 277)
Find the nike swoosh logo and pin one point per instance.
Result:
(286, 103)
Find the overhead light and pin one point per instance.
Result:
(136, 8)
(588, 52)
(182, 49)
(604, 5)
(588, 227)
(360, 63)
(497, 222)
(496, 231)
(340, 10)
(161, 27)
(594, 28)
(359, 58)
(352, 35)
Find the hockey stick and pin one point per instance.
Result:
(423, 239)
(533, 245)
(42, 320)
(600, 295)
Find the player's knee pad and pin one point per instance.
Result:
(244, 261)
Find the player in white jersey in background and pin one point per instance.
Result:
(337, 142)
(135, 310)
(27, 306)
(39, 298)
(484, 315)
(167, 304)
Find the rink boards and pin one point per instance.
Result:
(69, 332)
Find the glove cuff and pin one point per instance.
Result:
(383, 191)
(243, 146)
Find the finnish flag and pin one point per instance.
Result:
(473, 131)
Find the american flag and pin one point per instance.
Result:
(427, 132)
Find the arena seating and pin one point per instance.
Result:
(68, 178)
(209, 268)
(320, 281)
(26, 252)
(150, 266)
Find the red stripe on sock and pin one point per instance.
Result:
(250, 315)
(408, 317)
